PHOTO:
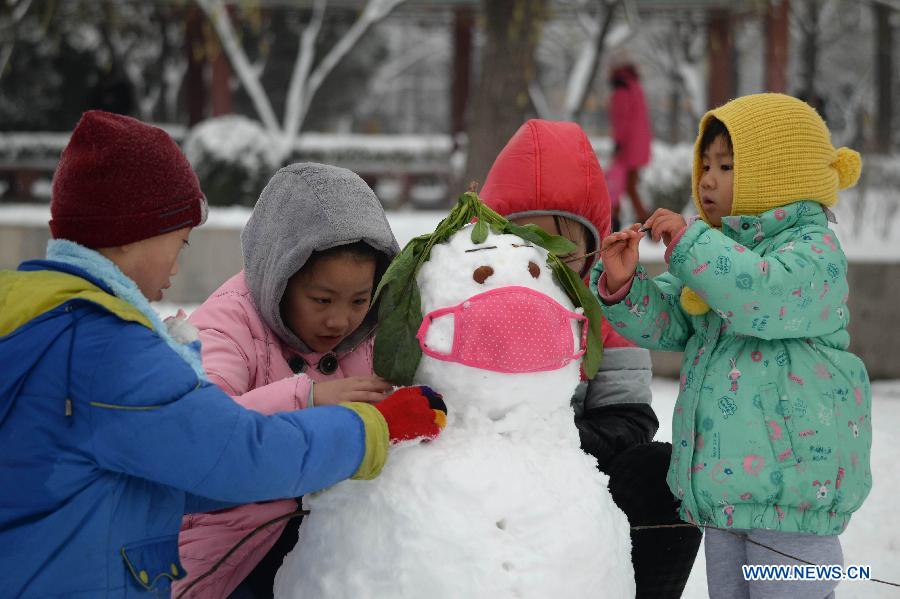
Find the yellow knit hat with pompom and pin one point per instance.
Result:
(782, 154)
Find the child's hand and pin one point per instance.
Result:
(180, 329)
(619, 253)
(664, 224)
(413, 412)
(370, 389)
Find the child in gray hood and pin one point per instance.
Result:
(290, 331)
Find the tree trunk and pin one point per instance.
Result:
(501, 101)
(884, 65)
(810, 51)
(674, 105)
(194, 45)
(463, 22)
(721, 57)
(218, 14)
(581, 80)
(220, 84)
(777, 45)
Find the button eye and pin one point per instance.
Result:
(745, 226)
(534, 269)
(482, 273)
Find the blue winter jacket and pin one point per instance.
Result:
(109, 436)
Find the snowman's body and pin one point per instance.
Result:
(503, 504)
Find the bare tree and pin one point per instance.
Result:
(10, 16)
(807, 19)
(501, 101)
(421, 48)
(308, 72)
(884, 64)
(141, 43)
(601, 26)
(834, 76)
(678, 49)
(596, 24)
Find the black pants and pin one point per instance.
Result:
(260, 583)
(662, 558)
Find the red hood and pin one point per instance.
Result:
(549, 167)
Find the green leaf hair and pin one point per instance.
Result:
(397, 351)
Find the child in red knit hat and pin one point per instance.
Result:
(109, 427)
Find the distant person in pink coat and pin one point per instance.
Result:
(293, 329)
(631, 133)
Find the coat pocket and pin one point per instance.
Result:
(151, 566)
(776, 409)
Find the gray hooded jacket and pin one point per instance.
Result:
(308, 207)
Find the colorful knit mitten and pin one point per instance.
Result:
(413, 412)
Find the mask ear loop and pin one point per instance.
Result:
(585, 325)
(423, 328)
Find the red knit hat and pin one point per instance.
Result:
(120, 180)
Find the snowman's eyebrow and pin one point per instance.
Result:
(520, 245)
(489, 247)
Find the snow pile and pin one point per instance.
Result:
(503, 504)
(668, 176)
(234, 157)
(410, 145)
(47, 146)
(37, 146)
(233, 139)
(666, 180)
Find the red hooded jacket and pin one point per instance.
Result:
(550, 168)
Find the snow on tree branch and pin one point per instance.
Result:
(596, 21)
(298, 97)
(375, 11)
(539, 101)
(218, 15)
(305, 80)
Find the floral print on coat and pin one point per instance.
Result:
(772, 425)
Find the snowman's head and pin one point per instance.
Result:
(498, 331)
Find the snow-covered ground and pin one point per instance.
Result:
(873, 537)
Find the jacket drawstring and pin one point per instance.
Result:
(68, 402)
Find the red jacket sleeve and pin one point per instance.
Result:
(611, 338)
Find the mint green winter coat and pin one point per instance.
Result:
(772, 427)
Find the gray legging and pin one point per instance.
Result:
(727, 552)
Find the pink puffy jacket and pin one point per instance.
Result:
(248, 361)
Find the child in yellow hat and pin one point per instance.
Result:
(772, 426)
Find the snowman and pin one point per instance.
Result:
(504, 503)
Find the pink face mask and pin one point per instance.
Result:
(509, 329)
